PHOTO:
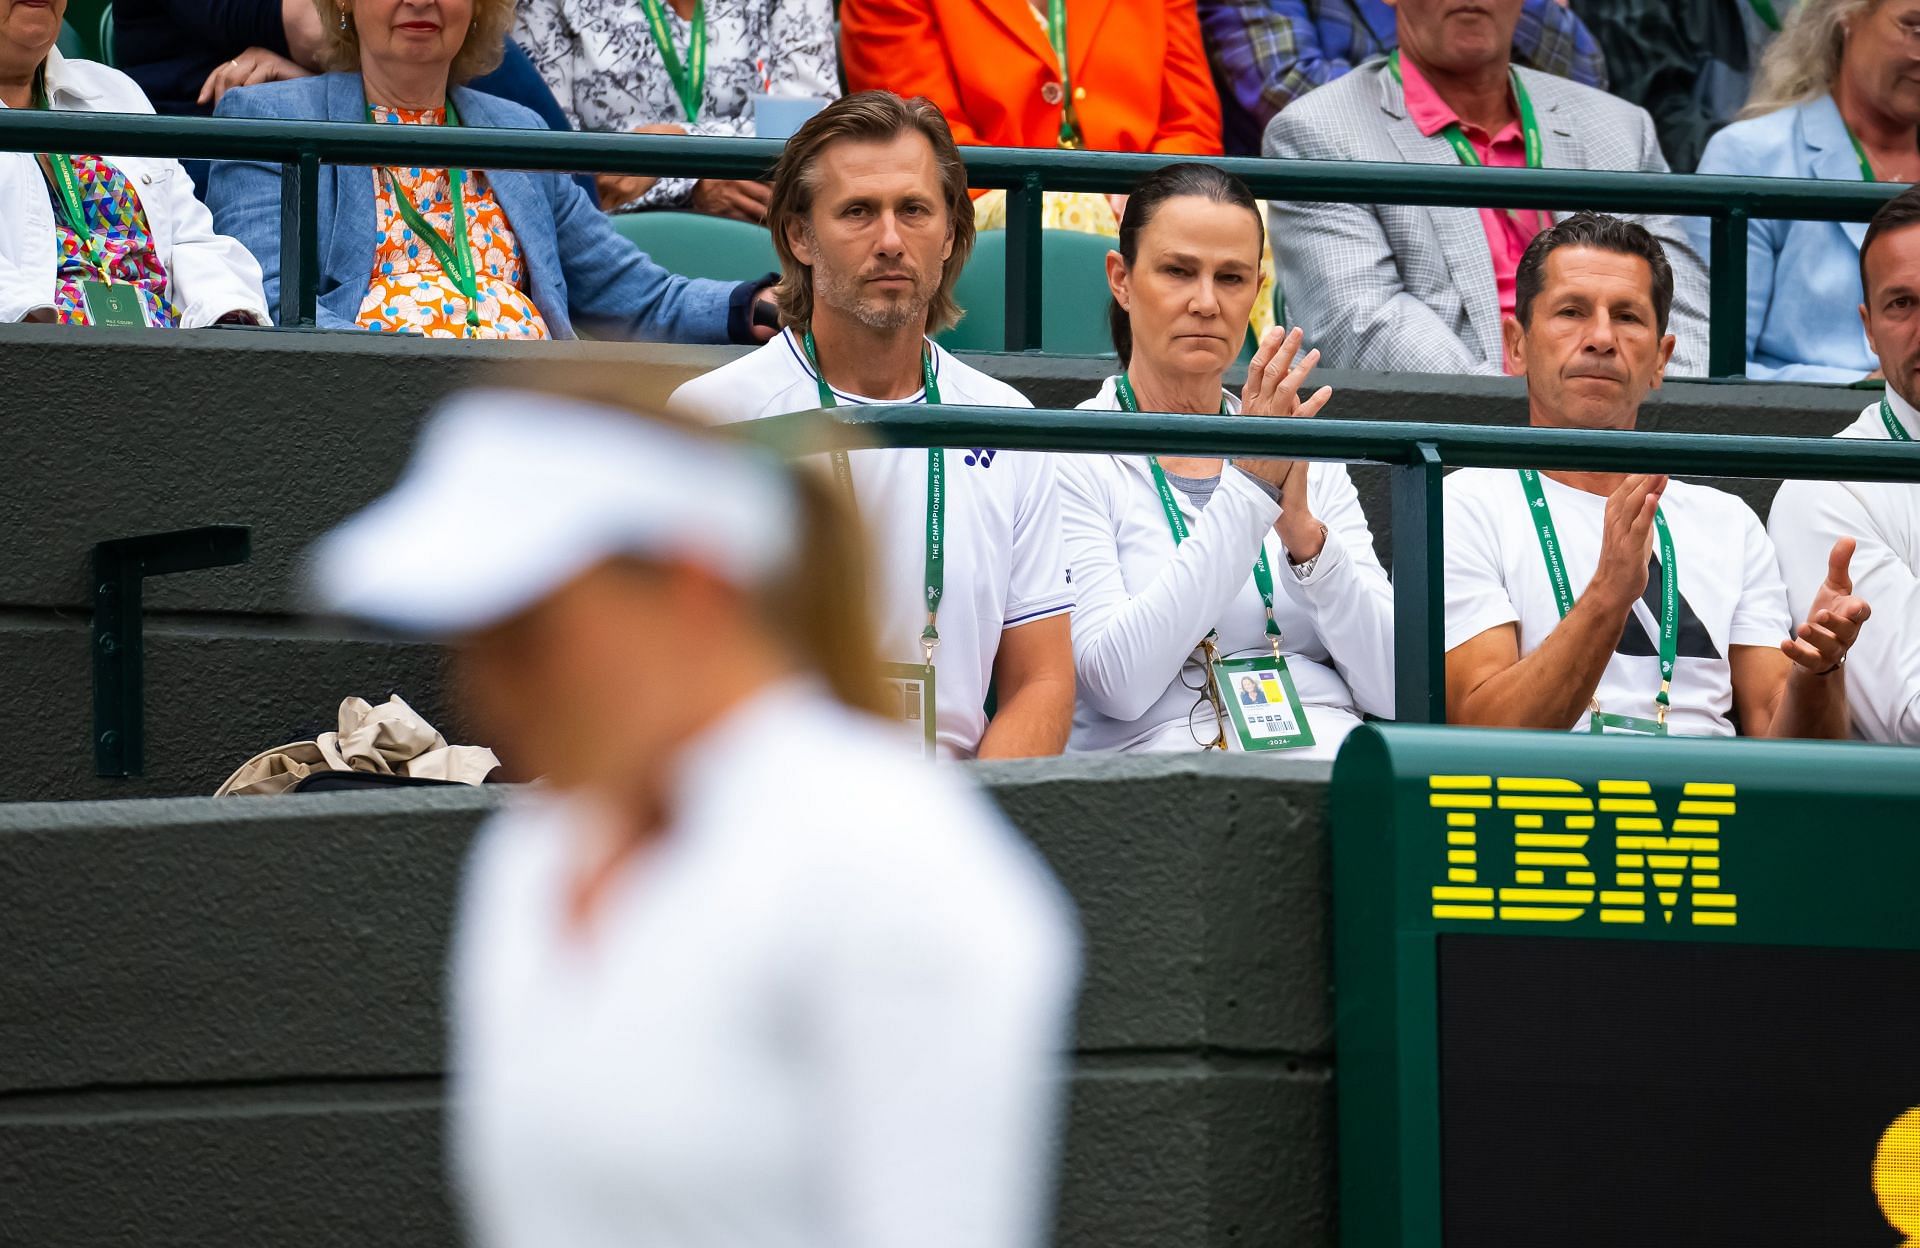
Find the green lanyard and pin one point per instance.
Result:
(1866, 166)
(936, 559)
(66, 183)
(1563, 593)
(689, 79)
(1895, 429)
(1057, 36)
(1457, 138)
(456, 259)
(1764, 11)
(1262, 573)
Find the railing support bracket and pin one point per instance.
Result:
(1419, 598)
(119, 568)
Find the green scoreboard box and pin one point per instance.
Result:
(1626, 991)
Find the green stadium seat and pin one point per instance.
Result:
(70, 44)
(1074, 279)
(698, 245)
(92, 24)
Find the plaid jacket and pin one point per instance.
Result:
(1268, 53)
(1410, 289)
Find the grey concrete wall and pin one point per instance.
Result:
(220, 1021)
(119, 432)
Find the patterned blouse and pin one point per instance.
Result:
(114, 214)
(604, 67)
(409, 291)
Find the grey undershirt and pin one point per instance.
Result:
(1199, 490)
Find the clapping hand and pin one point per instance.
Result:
(1273, 381)
(1273, 389)
(1626, 541)
(1833, 623)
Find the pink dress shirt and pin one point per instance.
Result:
(1508, 233)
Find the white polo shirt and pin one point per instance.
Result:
(1144, 603)
(1004, 560)
(828, 1009)
(1808, 517)
(1730, 588)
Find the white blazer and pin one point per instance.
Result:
(208, 275)
(1145, 603)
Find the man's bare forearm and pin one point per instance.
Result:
(1031, 722)
(1812, 706)
(1552, 687)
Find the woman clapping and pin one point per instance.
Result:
(1231, 604)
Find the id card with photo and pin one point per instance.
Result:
(910, 700)
(114, 304)
(1262, 704)
(1602, 724)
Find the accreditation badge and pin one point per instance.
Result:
(1262, 704)
(910, 699)
(1600, 723)
(116, 303)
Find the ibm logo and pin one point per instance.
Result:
(1528, 849)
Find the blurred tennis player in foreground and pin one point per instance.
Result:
(746, 972)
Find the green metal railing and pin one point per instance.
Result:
(1415, 452)
(301, 147)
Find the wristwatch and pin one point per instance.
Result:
(1304, 569)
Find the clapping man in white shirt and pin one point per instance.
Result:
(872, 221)
(1615, 602)
(1882, 516)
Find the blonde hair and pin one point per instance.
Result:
(820, 604)
(485, 45)
(1804, 58)
(866, 117)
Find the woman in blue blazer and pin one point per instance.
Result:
(1831, 102)
(539, 257)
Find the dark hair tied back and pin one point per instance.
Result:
(1172, 182)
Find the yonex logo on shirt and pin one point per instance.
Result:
(980, 457)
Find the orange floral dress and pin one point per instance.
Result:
(409, 292)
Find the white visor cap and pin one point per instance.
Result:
(510, 494)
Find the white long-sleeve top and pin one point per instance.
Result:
(1144, 602)
(827, 1010)
(208, 274)
(1807, 518)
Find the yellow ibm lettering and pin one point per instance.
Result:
(1549, 825)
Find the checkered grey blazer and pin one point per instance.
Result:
(1412, 289)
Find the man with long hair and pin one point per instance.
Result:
(872, 222)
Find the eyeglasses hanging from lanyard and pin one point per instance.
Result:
(1070, 135)
(1177, 524)
(455, 257)
(1463, 147)
(936, 548)
(689, 77)
(1563, 598)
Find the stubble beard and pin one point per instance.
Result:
(886, 315)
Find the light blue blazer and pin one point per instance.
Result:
(578, 267)
(1803, 277)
